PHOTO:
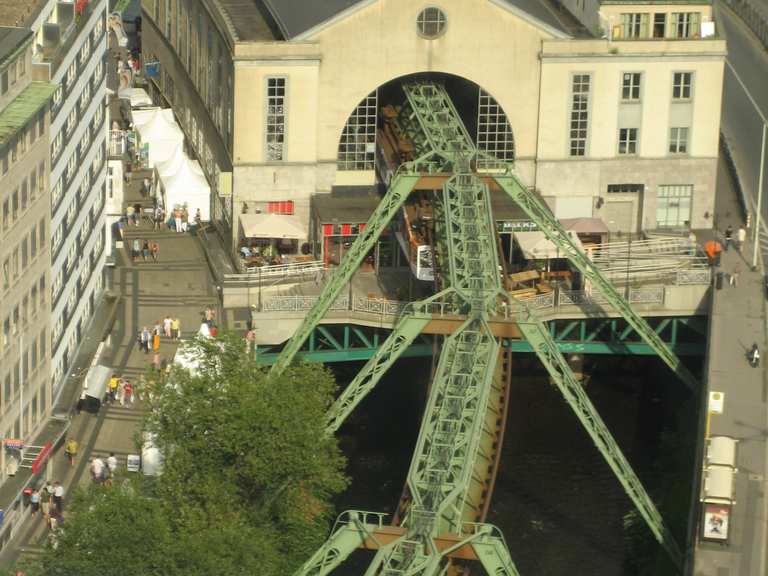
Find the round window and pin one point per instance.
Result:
(431, 22)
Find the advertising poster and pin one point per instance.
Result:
(716, 518)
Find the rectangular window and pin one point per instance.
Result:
(6, 274)
(660, 25)
(634, 25)
(630, 86)
(682, 83)
(275, 140)
(41, 232)
(678, 140)
(24, 254)
(494, 134)
(42, 289)
(673, 206)
(686, 24)
(33, 241)
(24, 194)
(627, 140)
(625, 188)
(41, 177)
(285, 208)
(580, 84)
(32, 185)
(6, 213)
(6, 331)
(4, 82)
(15, 204)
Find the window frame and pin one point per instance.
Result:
(587, 103)
(280, 119)
(676, 142)
(431, 16)
(631, 88)
(682, 85)
(629, 142)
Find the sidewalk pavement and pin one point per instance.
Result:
(179, 285)
(738, 319)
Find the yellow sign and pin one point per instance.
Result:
(716, 402)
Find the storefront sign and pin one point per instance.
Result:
(716, 525)
(13, 443)
(516, 226)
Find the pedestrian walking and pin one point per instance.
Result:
(146, 187)
(34, 500)
(728, 237)
(158, 217)
(145, 339)
(114, 383)
(137, 213)
(128, 392)
(45, 501)
(112, 463)
(167, 326)
(58, 497)
(177, 219)
(136, 247)
(176, 327)
(121, 392)
(198, 219)
(97, 470)
(741, 236)
(71, 451)
(145, 250)
(156, 342)
(734, 278)
(155, 249)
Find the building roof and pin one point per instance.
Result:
(11, 39)
(294, 17)
(19, 12)
(23, 107)
(247, 20)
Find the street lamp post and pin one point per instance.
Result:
(756, 233)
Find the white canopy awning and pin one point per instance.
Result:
(722, 451)
(272, 226)
(138, 97)
(536, 246)
(189, 188)
(174, 164)
(163, 136)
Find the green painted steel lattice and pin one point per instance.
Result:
(442, 466)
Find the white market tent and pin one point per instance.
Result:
(188, 188)
(536, 246)
(164, 138)
(138, 97)
(174, 164)
(272, 226)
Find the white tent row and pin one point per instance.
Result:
(183, 185)
(163, 137)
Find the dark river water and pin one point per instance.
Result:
(559, 505)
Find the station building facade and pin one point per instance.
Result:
(604, 117)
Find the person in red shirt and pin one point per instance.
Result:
(128, 391)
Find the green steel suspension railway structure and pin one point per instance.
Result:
(439, 527)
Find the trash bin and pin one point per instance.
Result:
(719, 280)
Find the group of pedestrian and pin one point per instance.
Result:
(146, 249)
(741, 238)
(150, 339)
(208, 324)
(102, 472)
(120, 390)
(50, 500)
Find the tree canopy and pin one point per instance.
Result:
(249, 474)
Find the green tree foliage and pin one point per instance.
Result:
(248, 477)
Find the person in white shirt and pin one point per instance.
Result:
(58, 497)
(112, 462)
(741, 236)
(97, 469)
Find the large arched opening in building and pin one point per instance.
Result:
(485, 120)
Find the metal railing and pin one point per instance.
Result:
(394, 308)
(280, 272)
(117, 143)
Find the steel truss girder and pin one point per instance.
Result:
(443, 461)
(471, 244)
(352, 530)
(441, 124)
(401, 186)
(536, 209)
(546, 349)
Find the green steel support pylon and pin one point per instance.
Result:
(404, 333)
(401, 186)
(352, 529)
(545, 347)
(536, 209)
